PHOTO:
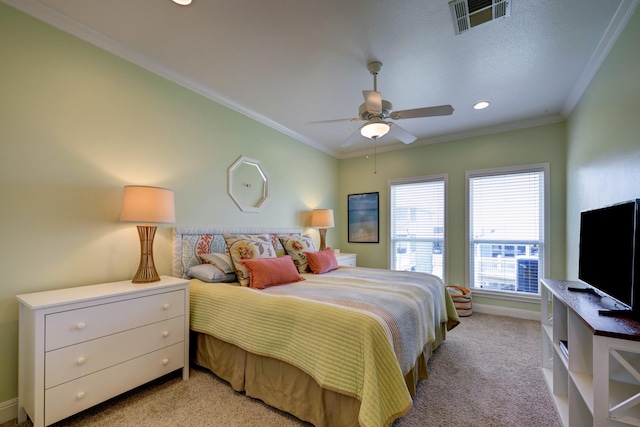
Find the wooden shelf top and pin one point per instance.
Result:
(586, 306)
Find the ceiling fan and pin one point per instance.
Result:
(377, 111)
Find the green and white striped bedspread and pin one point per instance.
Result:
(354, 330)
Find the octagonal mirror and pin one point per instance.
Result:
(248, 184)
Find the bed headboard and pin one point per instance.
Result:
(189, 242)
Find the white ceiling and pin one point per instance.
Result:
(289, 62)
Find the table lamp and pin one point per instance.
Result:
(147, 204)
(322, 219)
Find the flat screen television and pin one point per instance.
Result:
(609, 258)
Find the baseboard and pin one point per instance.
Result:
(8, 410)
(505, 311)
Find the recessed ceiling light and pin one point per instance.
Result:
(481, 105)
(182, 2)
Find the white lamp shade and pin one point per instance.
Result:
(374, 130)
(147, 204)
(322, 218)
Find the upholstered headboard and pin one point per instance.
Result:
(189, 242)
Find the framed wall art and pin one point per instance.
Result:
(364, 225)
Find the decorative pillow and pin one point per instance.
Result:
(322, 261)
(267, 272)
(296, 246)
(222, 261)
(248, 246)
(210, 273)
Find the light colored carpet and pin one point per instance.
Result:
(487, 373)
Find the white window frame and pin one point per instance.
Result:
(445, 241)
(511, 296)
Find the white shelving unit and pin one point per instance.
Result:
(596, 382)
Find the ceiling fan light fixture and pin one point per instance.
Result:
(481, 105)
(182, 2)
(374, 130)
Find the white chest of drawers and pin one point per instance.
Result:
(81, 346)
(346, 260)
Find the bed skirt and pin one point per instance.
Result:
(288, 388)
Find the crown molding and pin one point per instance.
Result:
(490, 130)
(615, 28)
(68, 25)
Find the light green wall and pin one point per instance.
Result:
(527, 146)
(603, 160)
(76, 125)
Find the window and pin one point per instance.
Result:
(506, 228)
(417, 224)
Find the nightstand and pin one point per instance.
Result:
(81, 346)
(346, 260)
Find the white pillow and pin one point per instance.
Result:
(210, 273)
(222, 261)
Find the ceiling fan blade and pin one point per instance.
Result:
(354, 119)
(440, 110)
(373, 101)
(352, 138)
(400, 133)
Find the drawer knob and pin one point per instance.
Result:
(166, 306)
(81, 360)
(80, 395)
(165, 334)
(165, 361)
(81, 325)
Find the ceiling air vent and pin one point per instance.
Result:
(469, 13)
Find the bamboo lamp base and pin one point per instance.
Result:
(146, 270)
(323, 237)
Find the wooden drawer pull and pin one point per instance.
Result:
(81, 325)
(166, 306)
(165, 361)
(81, 360)
(165, 334)
(80, 395)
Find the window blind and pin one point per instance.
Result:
(417, 225)
(506, 230)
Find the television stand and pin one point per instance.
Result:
(596, 381)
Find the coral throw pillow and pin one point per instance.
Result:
(267, 272)
(322, 261)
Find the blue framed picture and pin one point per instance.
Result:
(364, 225)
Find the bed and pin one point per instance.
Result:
(343, 348)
